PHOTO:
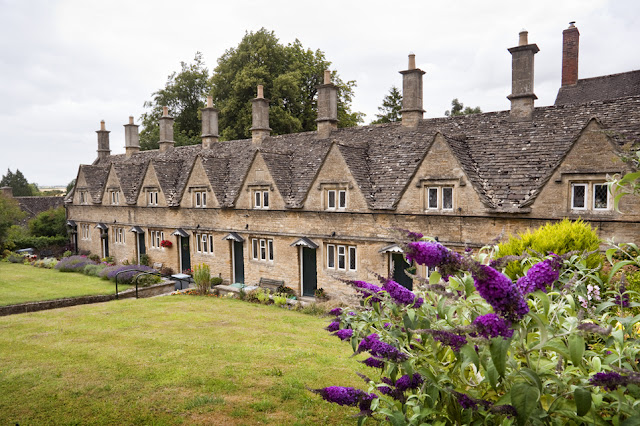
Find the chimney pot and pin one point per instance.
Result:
(131, 119)
(523, 39)
(327, 107)
(259, 117)
(165, 111)
(260, 92)
(209, 101)
(412, 111)
(327, 77)
(102, 125)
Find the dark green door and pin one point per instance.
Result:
(238, 262)
(309, 276)
(185, 255)
(141, 247)
(105, 244)
(399, 276)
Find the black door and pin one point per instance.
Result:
(238, 262)
(399, 276)
(309, 276)
(74, 238)
(185, 254)
(105, 244)
(141, 247)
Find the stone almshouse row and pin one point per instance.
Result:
(311, 207)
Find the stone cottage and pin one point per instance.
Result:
(308, 208)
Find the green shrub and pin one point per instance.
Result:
(263, 296)
(94, 257)
(39, 242)
(280, 299)
(15, 258)
(146, 280)
(202, 277)
(216, 281)
(559, 238)
(6, 253)
(144, 259)
(93, 270)
(67, 253)
(47, 263)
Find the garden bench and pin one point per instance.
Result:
(270, 283)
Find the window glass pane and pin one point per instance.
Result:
(257, 199)
(341, 257)
(447, 198)
(352, 258)
(197, 199)
(204, 199)
(198, 243)
(263, 250)
(210, 243)
(331, 203)
(342, 199)
(270, 249)
(578, 199)
(265, 204)
(432, 202)
(204, 244)
(254, 246)
(600, 196)
(331, 256)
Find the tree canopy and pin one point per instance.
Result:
(184, 94)
(288, 73)
(10, 214)
(458, 108)
(20, 185)
(390, 109)
(49, 223)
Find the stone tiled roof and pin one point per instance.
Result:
(506, 162)
(35, 205)
(130, 176)
(96, 177)
(600, 88)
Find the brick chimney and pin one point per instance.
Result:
(166, 131)
(7, 191)
(412, 94)
(570, 44)
(209, 125)
(103, 142)
(131, 138)
(522, 96)
(327, 107)
(260, 118)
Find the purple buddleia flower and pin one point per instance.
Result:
(540, 276)
(498, 290)
(344, 334)
(336, 312)
(610, 381)
(373, 362)
(407, 382)
(414, 235)
(622, 299)
(401, 295)
(429, 253)
(491, 325)
(343, 395)
(466, 401)
(334, 326)
(367, 290)
(380, 349)
(454, 341)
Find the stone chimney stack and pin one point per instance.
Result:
(7, 191)
(131, 138)
(522, 96)
(412, 94)
(327, 107)
(570, 44)
(103, 142)
(166, 131)
(260, 118)
(209, 125)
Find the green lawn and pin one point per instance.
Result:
(171, 360)
(25, 283)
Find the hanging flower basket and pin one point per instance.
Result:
(166, 244)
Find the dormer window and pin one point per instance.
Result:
(115, 197)
(152, 198)
(439, 198)
(590, 196)
(261, 199)
(83, 197)
(336, 199)
(200, 199)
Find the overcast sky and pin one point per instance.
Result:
(65, 65)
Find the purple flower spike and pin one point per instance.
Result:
(427, 253)
(454, 341)
(407, 382)
(491, 325)
(336, 312)
(344, 334)
(401, 295)
(373, 362)
(540, 276)
(610, 381)
(334, 326)
(379, 349)
(343, 395)
(498, 290)
(367, 290)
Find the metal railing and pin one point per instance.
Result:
(137, 277)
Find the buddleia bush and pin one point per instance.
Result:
(559, 238)
(554, 346)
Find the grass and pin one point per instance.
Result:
(171, 360)
(25, 283)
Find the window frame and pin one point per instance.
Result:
(593, 198)
(262, 249)
(260, 199)
(331, 256)
(152, 198)
(442, 191)
(155, 238)
(200, 199)
(436, 199)
(331, 205)
(585, 196)
(115, 197)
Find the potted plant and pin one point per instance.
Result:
(166, 244)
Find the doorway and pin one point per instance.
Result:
(185, 254)
(237, 257)
(308, 272)
(398, 266)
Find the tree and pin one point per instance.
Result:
(49, 223)
(289, 75)
(390, 109)
(10, 213)
(70, 185)
(184, 94)
(458, 108)
(21, 187)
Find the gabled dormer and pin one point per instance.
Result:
(440, 184)
(259, 190)
(112, 194)
(150, 193)
(335, 188)
(81, 194)
(198, 192)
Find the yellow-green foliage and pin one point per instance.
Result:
(202, 277)
(558, 238)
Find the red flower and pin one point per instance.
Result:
(166, 243)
